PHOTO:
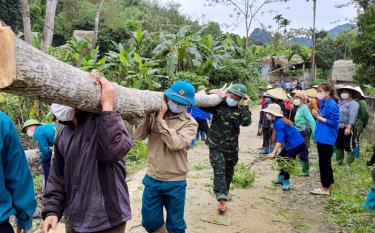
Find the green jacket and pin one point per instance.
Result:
(362, 117)
(225, 129)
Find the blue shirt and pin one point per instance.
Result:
(17, 195)
(44, 135)
(326, 133)
(198, 113)
(287, 134)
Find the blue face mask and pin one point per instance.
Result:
(231, 102)
(268, 100)
(175, 108)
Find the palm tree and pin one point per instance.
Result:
(285, 23)
(278, 19)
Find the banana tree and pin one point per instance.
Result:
(135, 71)
(182, 51)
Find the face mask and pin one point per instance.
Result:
(231, 102)
(175, 108)
(344, 96)
(268, 100)
(63, 113)
(30, 133)
(321, 95)
(269, 116)
(297, 102)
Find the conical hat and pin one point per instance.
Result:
(357, 92)
(277, 93)
(312, 92)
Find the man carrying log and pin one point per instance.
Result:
(87, 180)
(17, 195)
(222, 140)
(169, 132)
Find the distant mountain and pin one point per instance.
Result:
(302, 41)
(334, 32)
(260, 36)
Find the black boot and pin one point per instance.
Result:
(372, 161)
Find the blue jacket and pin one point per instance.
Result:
(198, 113)
(17, 195)
(287, 134)
(44, 135)
(326, 133)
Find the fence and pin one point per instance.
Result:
(369, 132)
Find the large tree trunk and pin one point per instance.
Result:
(27, 71)
(49, 24)
(97, 20)
(26, 22)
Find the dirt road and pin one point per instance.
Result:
(262, 208)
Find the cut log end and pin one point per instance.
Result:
(7, 56)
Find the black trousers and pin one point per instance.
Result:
(291, 154)
(325, 153)
(6, 228)
(267, 133)
(344, 142)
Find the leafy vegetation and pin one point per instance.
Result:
(136, 157)
(363, 48)
(243, 178)
(351, 185)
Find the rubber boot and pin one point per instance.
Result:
(356, 152)
(279, 180)
(350, 157)
(305, 169)
(340, 157)
(286, 185)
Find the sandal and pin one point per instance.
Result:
(319, 191)
(222, 207)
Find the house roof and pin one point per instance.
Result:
(343, 70)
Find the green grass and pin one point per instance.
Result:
(200, 166)
(137, 157)
(304, 227)
(243, 178)
(38, 182)
(351, 186)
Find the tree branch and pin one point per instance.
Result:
(237, 6)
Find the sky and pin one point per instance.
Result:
(298, 11)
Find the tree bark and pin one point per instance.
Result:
(49, 24)
(27, 71)
(97, 20)
(26, 22)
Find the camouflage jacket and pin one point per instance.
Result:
(225, 128)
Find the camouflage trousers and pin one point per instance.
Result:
(223, 164)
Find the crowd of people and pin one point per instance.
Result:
(334, 116)
(85, 175)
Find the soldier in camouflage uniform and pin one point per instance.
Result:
(222, 139)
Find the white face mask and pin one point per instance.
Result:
(269, 116)
(231, 102)
(30, 133)
(321, 95)
(63, 113)
(175, 108)
(344, 96)
(297, 102)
